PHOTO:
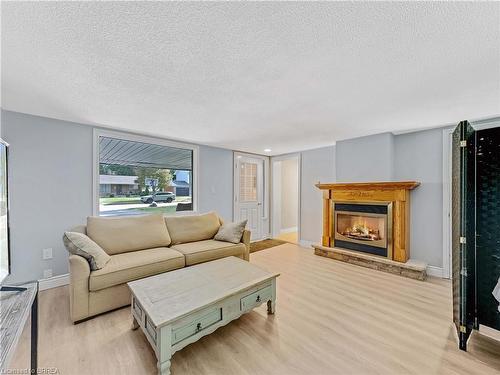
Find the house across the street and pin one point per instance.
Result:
(117, 185)
(180, 188)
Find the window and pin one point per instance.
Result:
(138, 175)
(248, 182)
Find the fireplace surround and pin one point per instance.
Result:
(369, 217)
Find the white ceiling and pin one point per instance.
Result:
(250, 76)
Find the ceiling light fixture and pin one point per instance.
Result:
(267, 150)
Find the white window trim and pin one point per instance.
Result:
(145, 139)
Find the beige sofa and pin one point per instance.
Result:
(140, 247)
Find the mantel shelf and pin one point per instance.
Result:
(388, 185)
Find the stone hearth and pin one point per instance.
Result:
(411, 269)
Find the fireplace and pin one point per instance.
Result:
(368, 218)
(368, 224)
(363, 226)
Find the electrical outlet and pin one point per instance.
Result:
(47, 253)
(47, 273)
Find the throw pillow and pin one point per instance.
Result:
(231, 232)
(80, 244)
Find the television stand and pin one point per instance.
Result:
(16, 303)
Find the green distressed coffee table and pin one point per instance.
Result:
(177, 308)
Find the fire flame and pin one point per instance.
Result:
(361, 230)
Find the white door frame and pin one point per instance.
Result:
(265, 182)
(274, 160)
(447, 195)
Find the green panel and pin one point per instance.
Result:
(463, 230)
(488, 225)
(470, 226)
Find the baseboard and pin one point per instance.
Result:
(61, 280)
(306, 244)
(289, 230)
(489, 332)
(53, 282)
(435, 271)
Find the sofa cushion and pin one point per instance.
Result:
(80, 244)
(231, 232)
(126, 267)
(122, 234)
(204, 251)
(192, 228)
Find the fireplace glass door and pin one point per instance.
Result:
(363, 226)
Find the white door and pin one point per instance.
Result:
(249, 193)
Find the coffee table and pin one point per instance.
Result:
(177, 308)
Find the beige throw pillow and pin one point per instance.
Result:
(79, 244)
(231, 232)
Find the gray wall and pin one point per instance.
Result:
(419, 156)
(414, 156)
(216, 181)
(365, 158)
(50, 184)
(51, 187)
(316, 165)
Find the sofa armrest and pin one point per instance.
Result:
(79, 268)
(246, 240)
(79, 274)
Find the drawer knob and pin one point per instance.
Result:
(198, 327)
(258, 299)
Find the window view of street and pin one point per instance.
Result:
(137, 178)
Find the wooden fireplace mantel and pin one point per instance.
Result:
(397, 185)
(397, 192)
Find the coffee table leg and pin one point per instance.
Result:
(164, 368)
(271, 304)
(164, 350)
(135, 325)
(271, 307)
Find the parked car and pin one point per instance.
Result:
(162, 196)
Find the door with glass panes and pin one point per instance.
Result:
(249, 193)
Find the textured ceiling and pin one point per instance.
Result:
(250, 76)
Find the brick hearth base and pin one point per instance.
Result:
(412, 269)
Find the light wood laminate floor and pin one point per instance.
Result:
(331, 318)
(289, 237)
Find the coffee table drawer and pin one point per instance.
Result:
(256, 298)
(197, 325)
(138, 309)
(150, 329)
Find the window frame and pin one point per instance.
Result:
(145, 139)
